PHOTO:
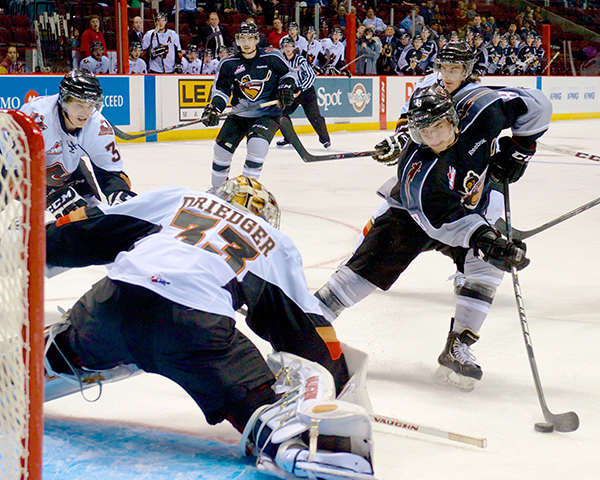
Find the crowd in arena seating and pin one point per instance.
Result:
(391, 38)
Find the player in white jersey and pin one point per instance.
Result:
(300, 42)
(163, 47)
(335, 50)
(184, 262)
(191, 63)
(209, 67)
(314, 49)
(136, 64)
(73, 127)
(96, 63)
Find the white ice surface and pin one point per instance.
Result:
(324, 206)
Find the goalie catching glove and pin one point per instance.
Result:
(64, 200)
(511, 161)
(210, 116)
(285, 94)
(388, 150)
(502, 254)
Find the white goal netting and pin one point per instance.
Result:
(15, 227)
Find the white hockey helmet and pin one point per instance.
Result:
(248, 194)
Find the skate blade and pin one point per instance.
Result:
(445, 376)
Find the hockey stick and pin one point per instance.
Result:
(562, 422)
(568, 151)
(127, 136)
(286, 127)
(455, 437)
(522, 235)
(550, 62)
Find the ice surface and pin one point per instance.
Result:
(324, 206)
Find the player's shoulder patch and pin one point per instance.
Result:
(105, 128)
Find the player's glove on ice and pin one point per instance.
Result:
(210, 116)
(502, 254)
(388, 150)
(511, 161)
(120, 196)
(285, 95)
(64, 200)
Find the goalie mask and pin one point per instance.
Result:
(248, 194)
(81, 86)
(456, 53)
(428, 106)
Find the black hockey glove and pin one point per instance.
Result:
(160, 51)
(178, 68)
(388, 150)
(511, 161)
(285, 95)
(502, 254)
(120, 196)
(64, 200)
(210, 116)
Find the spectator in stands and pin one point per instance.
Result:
(136, 33)
(406, 25)
(268, 9)
(538, 16)
(96, 63)
(476, 25)
(369, 49)
(386, 63)
(187, 12)
(91, 35)
(11, 63)
(376, 22)
(340, 17)
(471, 10)
(427, 12)
(491, 23)
(211, 36)
(277, 34)
(437, 15)
(262, 39)
(391, 40)
(460, 12)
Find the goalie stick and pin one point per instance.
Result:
(500, 224)
(562, 422)
(286, 127)
(436, 432)
(128, 136)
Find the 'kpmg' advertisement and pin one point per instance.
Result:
(15, 90)
(343, 97)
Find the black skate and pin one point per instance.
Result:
(457, 362)
(282, 143)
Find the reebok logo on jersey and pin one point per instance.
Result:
(253, 88)
(477, 145)
(158, 278)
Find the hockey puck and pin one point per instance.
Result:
(544, 427)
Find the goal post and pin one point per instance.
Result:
(22, 260)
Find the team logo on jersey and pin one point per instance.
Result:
(239, 69)
(56, 149)
(158, 278)
(451, 177)
(39, 119)
(253, 88)
(105, 128)
(473, 185)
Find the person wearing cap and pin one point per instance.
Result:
(163, 47)
(305, 94)
(136, 64)
(300, 42)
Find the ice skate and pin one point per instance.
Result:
(327, 145)
(282, 143)
(457, 363)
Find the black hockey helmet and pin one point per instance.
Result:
(135, 46)
(81, 86)
(96, 46)
(160, 15)
(191, 48)
(456, 53)
(247, 29)
(287, 40)
(293, 25)
(427, 106)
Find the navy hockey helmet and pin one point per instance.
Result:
(428, 106)
(456, 53)
(160, 16)
(418, 38)
(96, 46)
(287, 40)
(247, 29)
(81, 86)
(135, 46)
(292, 25)
(311, 29)
(249, 194)
(191, 48)
(338, 31)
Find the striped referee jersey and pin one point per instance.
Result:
(305, 75)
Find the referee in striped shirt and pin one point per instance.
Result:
(306, 96)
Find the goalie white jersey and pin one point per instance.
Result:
(223, 253)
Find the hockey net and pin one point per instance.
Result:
(22, 258)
